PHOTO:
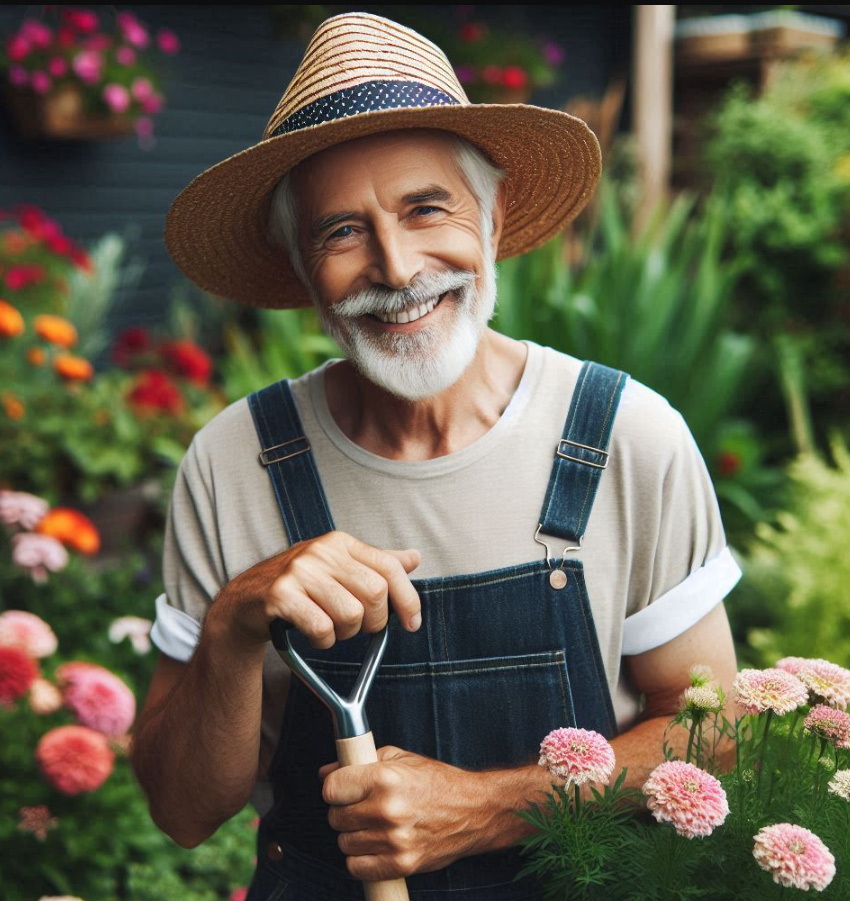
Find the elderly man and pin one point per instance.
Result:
(569, 558)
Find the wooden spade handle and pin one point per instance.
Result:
(360, 750)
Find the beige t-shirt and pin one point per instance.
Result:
(654, 553)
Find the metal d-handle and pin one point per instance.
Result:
(349, 714)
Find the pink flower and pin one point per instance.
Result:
(686, 796)
(239, 894)
(831, 724)
(18, 76)
(17, 673)
(40, 81)
(758, 691)
(98, 698)
(44, 697)
(126, 56)
(17, 508)
(168, 41)
(18, 48)
(135, 628)
(577, 755)
(553, 53)
(30, 633)
(134, 32)
(153, 104)
(83, 20)
(117, 97)
(144, 129)
(87, 65)
(37, 33)
(465, 73)
(826, 681)
(38, 554)
(794, 856)
(141, 89)
(74, 759)
(97, 43)
(36, 820)
(57, 66)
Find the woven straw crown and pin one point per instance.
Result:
(360, 75)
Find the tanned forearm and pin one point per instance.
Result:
(196, 755)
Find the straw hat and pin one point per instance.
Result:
(362, 74)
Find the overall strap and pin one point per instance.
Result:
(289, 461)
(582, 453)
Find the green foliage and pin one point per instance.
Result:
(793, 599)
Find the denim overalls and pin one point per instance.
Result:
(501, 658)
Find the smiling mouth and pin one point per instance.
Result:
(410, 315)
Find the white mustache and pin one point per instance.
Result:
(423, 288)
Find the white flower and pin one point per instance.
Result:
(136, 629)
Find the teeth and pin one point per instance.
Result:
(410, 315)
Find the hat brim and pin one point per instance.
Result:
(216, 230)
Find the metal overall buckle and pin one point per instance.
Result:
(557, 577)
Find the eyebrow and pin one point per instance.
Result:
(431, 193)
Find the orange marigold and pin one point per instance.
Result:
(71, 528)
(36, 356)
(11, 321)
(74, 368)
(14, 408)
(56, 330)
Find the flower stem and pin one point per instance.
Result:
(691, 734)
(577, 790)
(764, 745)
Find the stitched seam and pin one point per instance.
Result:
(279, 483)
(571, 564)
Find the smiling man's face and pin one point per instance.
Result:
(390, 236)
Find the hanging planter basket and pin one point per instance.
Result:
(62, 115)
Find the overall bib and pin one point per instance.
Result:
(501, 658)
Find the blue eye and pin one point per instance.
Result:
(339, 232)
(433, 209)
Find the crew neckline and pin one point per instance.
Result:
(438, 465)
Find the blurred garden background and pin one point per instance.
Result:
(713, 266)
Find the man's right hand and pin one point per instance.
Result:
(329, 588)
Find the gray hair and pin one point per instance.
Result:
(481, 177)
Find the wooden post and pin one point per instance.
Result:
(652, 102)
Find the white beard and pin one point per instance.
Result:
(431, 359)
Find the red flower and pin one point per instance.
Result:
(17, 672)
(81, 19)
(471, 32)
(728, 464)
(514, 77)
(187, 359)
(132, 342)
(75, 759)
(154, 390)
(19, 277)
(492, 74)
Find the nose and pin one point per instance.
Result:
(395, 258)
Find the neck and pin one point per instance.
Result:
(399, 429)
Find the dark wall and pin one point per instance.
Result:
(227, 81)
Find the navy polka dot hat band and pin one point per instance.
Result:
(362, 74)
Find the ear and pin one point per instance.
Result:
(500, 207)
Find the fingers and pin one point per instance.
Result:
(394, 567)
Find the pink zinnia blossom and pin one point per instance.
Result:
(97, 43)
(18, 48)
(83, 20)
(44, 697)
(18, 76)
(37, 33)
(126, 56)
(840, 784)
(153, 104)
(758, 691)
(98, 698)
(135, 628)
(686, 796)
(167, 41)
(36, 820)
(826, 681)
(40, 81)
(144, 129)
(57, 66)
(795, 857)
(30, 633)
(17, 673)
(74, 759)
(134, 32)
(38, 554)
(577, 755)
(17, 508)
(141, 88)
(829, 723)
(87, 65)
(239, 894)
(117, 97)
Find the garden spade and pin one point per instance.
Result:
(354, 741)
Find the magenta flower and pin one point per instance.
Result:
(134, 32)
(144, 130)
(465, 74)
(57, 66)
(126, 56)
(141, 89)
(17, 508)
(87, 65)
(38, 554)
(153, 104)
(117, 97)
(827, 682)
(97, 43)
(30, 633)
(18, 48)
(795, 857)
(83, 20)
(98, 698)
(758, 691)
(686, 796)
(553, 53)
(18, 76)
(829, 723)
(577, 755)
(40, 81)
(167, 41)
(37, 33)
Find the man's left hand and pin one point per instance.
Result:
(404, 814)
